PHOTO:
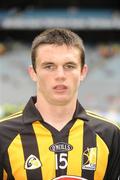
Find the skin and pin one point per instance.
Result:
(58, 76)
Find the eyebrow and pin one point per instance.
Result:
(70, 62)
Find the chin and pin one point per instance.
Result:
(61, 102)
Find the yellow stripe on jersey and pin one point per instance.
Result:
(47, 157)
(19, 112)
(15, 152)
(101, 118)
(4, 175)
(10, 117)
(102, 159)
(75, 156)
(97, 116)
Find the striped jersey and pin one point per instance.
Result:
(88, 147)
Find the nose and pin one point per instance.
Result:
(60, 73)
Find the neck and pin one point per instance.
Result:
(57, 116)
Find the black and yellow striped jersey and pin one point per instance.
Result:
(31, 149)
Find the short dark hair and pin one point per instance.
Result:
(57, 36)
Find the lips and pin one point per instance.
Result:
(60, 88)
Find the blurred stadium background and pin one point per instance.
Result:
(96, 21)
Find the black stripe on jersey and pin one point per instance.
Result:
(57, 139)
(30, 147)
(7, 167)
(89, 142)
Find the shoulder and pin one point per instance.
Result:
(9, 128)
(11, 119)
(108, 130)
(11, 122)
(95, 119)
(11, 116)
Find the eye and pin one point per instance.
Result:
(70, 66)
(49, 66)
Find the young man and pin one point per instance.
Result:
(55, 137)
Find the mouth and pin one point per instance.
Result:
(60, 88)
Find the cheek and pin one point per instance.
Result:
(41, 77)
(44, 81)
(76, 79)
(77, 82)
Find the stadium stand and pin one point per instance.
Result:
(74, 18)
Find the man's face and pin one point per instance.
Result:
(58, 73)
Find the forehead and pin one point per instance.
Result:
(57, 52)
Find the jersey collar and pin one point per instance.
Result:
(80, 112)
(31, 114)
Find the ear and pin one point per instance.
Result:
(84, 72)
(32, 73)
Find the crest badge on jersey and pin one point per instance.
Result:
(32, 162)
(89, 159)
